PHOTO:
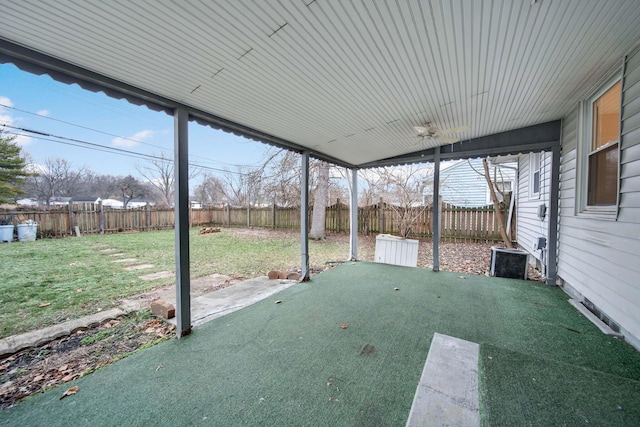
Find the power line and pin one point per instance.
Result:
(113, 135)
(99, 147)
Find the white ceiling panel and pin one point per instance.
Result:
(350, 78)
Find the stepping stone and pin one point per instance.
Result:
(447, 394)
(158, 275)
(138, 267)
(108, 250)
(125, 260)
(116, 254)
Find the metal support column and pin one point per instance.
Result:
(436, 209)
(181, 180)
(554, 196)
(304, 216)
(353, 216)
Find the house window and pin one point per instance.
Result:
(603, 158)
(502, 189)
(600, 150)
(534, 175)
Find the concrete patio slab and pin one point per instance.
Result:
(216, 304)
(15, 343)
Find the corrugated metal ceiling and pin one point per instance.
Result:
(348, 79)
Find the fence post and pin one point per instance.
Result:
(339, 207)
(147, 215)
(380, 216)
(248, 215)
(440, 214)
(72, 220)
(228, 215)
(273, 215)
(101, 220)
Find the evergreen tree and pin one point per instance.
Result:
(12, 173)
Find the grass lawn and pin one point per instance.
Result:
(52, 280)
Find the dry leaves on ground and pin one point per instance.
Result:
(66, 359)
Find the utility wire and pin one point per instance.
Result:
(113, 135)
(99, 147)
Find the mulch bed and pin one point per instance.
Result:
(66, 359)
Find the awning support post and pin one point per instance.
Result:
(353, 217)
(181, 201)
(554, 196)
(436, 209)
(304, 217)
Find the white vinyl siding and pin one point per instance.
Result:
(601, 259)
(464, 185)
(530, 226)
(461, 185)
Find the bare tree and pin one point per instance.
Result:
(56, 178)
(496, 204)
(240, 185)
(210, 191)
(158, 172)
(282, 179)
(129, 188)
(403, 188)
(320, 197)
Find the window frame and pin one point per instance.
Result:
(534, 166)
(584, 150)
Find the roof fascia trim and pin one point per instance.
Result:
(39, 63)
(540, 137)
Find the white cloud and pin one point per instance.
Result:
(44, 113)
(36, 168)
(5, 101)
(23, 140)
(134, 139)
(5, 119)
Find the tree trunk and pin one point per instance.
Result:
(320, 203)
(496, 205)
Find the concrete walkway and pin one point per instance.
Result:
(204, 307)
(447, 394)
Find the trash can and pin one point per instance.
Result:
(27, 232)
(6, 233)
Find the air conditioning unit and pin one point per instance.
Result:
(509, 263)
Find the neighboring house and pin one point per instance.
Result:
(57, 202)
(27, 202)
(112, 203)
(138, 203)
(462, 184)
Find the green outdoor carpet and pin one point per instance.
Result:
(293, 364)
(523, 390)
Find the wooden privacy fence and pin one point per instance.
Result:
(457, 223)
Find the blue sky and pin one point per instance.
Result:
(44, 105)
